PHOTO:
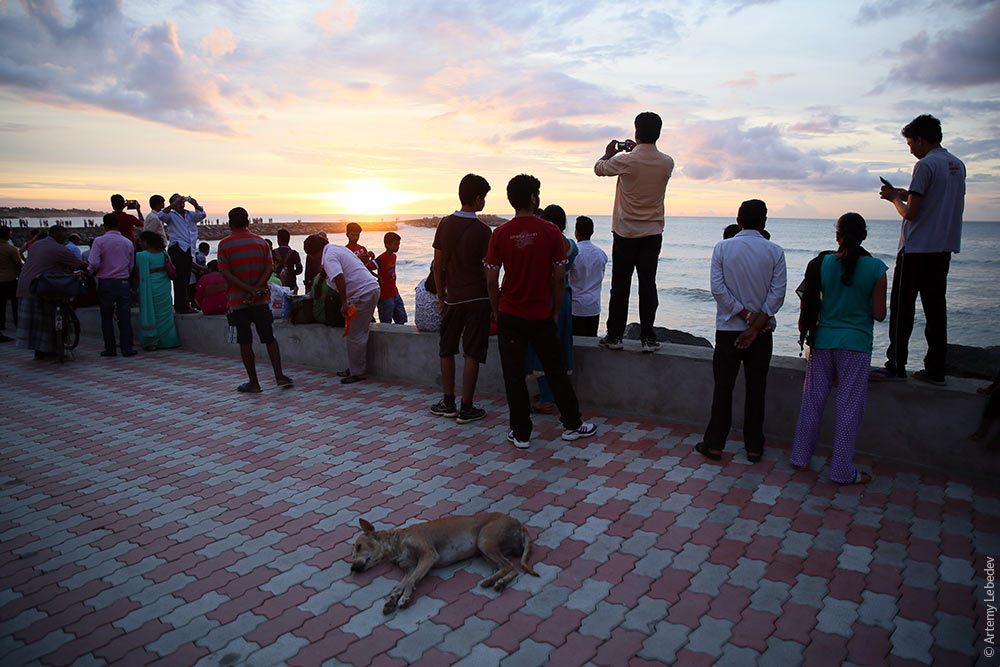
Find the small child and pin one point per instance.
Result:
(361, 252)
(390, 304)
(210, 293)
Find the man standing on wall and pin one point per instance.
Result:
(932, 210)
(182, 226)
(748, 283)
(533, 256)
(460, 243)
(636, 225)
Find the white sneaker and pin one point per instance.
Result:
(520, 444)
(585, 430)
(650, 345)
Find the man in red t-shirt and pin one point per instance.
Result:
(126, 222)
(526, 308)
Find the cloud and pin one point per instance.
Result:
(953, 58)
(557, 132)
(340, 17)
(830, 124)
(880, 10)
(726, 150)
(748, 80)
(87, 58)
(218, 43)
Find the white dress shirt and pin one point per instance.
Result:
(338, 260)
(748, 271)
(586, 278)
(183, 229)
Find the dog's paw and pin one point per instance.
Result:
(500, 585)
(390, 606)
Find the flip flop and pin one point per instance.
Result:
(703, 449)
(859, 478)
(755, 457)
(344, 373)
(883, 375)
(351, 379)
(924, 377)
(285, 382)
(245, 389)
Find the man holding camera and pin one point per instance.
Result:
(182, 227)
(636, 225)
(126, 221)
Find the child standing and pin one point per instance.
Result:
(390, 304)
(361, 252)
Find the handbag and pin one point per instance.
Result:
(58, 286)
(169, 266)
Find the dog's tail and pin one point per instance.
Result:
(526, 553)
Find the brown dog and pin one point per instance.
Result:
(418, 548)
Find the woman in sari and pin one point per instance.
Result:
(156, 313)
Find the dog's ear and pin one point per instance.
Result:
(366, 527)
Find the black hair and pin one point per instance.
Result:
(352, 226)
(204, 245)
(647, 127)
(556, 215)
(117, 202)
(584, 227)
(730, 231)
(314, 244)
(284, 237)
(4, 233)
(752, 214)
(926, 127)
(152, 240)
(851, 231)
(110, 221)
(519, 191)
(74, 238)
(156, 200)
(238, 218)
(390, 237)
(58, 232)
(471, 186)
(213, 266)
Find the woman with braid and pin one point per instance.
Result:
(842, 295)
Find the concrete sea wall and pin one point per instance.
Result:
(906, 421)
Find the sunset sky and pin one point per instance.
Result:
(381, 107)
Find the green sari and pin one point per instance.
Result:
(156, 311)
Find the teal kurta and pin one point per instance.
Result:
(156, 311)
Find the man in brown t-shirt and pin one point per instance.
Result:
(460, 244)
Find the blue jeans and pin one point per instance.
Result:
(115, 298)
(392, 310)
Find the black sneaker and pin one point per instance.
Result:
(472, 414)
(444, 409)
(611, 342)
(650, 345)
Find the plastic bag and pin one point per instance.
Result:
(277, 302)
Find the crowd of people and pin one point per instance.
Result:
(550, 292)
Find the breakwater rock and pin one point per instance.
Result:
(966, 361)
(665, 335)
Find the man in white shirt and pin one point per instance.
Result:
(585, 279)
(182, 226)
(152, 222)
(748, 283)
(636, 225)
(359, 289)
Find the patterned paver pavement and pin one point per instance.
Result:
(150, 514)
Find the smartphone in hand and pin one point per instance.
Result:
(886, 183)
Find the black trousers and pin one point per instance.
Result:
(725, 367)
(924, 274)
(8, 292)
(586, 325)
(639, 255)
(182, 262)
(516, 334)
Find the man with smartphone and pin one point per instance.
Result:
(126, 221)
(182, 228)
(932, 211)
(636, 226)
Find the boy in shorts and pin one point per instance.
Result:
(245, 261)
(460, 244)
(390, 304)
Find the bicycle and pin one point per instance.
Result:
(65, 323)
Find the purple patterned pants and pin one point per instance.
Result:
(850, 368)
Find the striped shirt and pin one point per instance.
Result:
(247, 257)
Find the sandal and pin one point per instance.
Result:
(285, 381)
(346, 373)
(754, 457)
(859, 478)
(245, 389)
(703, 449)
(883, 375)
(351, 379)
(542, 408)
(924, 377)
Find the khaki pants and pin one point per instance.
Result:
(357, 337)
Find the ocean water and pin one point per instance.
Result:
(682, 278)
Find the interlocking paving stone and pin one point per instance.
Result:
(182, 536)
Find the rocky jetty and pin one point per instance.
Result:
(665, 335)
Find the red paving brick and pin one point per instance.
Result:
(143, 482)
